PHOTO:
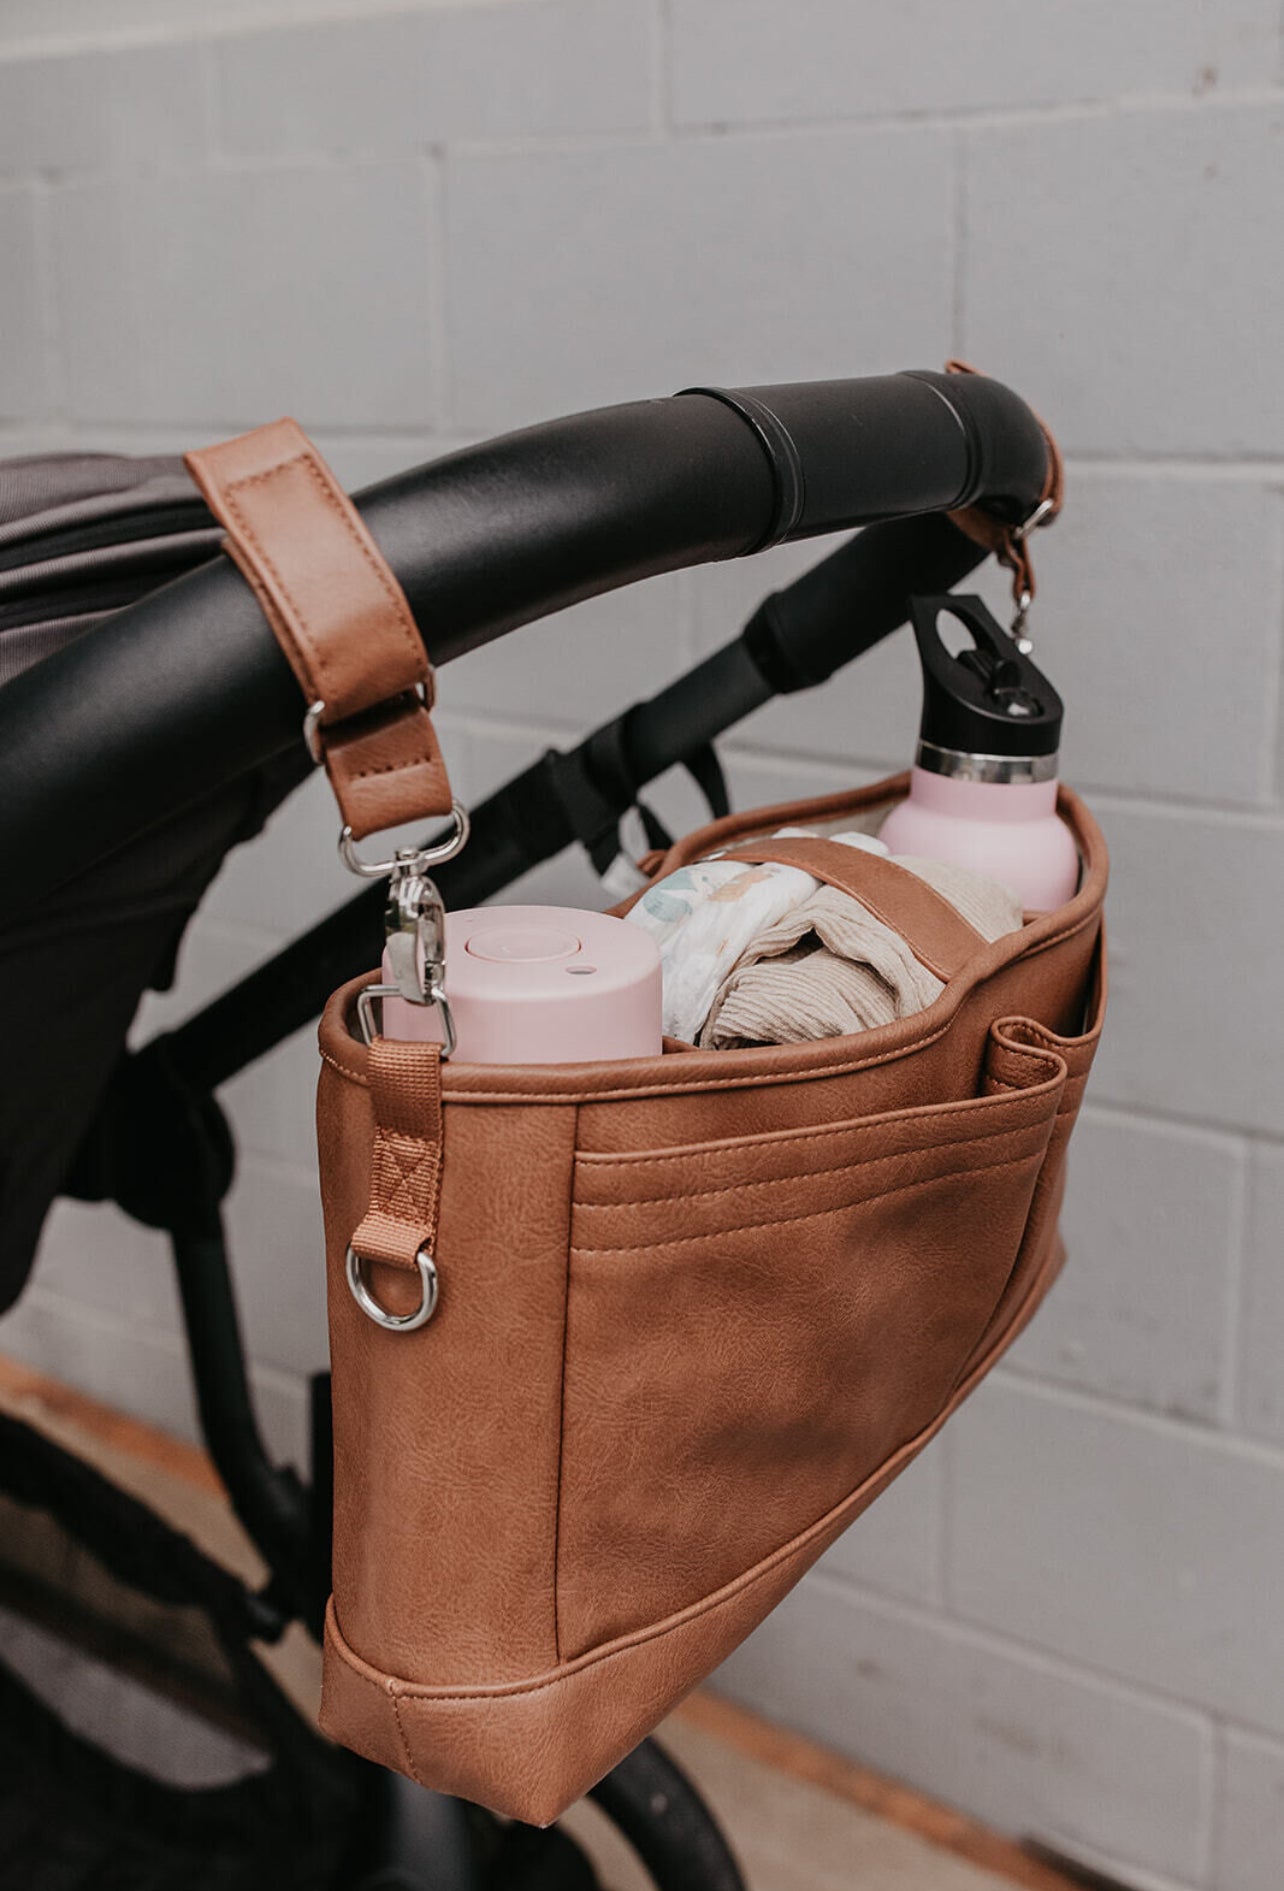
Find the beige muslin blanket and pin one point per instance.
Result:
(829, 967)
(770, 955)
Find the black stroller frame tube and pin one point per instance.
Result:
(188, 686)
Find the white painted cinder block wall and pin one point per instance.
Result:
(415, 229)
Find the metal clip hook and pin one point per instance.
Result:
(1021, 617)
(1025, 594)
(414, 926)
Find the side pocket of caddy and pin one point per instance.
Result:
(1018, 1048)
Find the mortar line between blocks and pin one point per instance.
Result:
(275, 1168)
(1229, 1403)
(1215, 1809)
(211, 104)
(436, 173)
(1004, 1643)
(958, 211)
(1143, 1116)
(49, 301)
(945, 1543)
(991, 117)
(1274, 758)
(1265, 1453)
(84, 1313)
(662, 115)
(1111, 1869)
(1149, 801)
(1239, 465)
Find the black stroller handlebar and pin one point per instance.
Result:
(188, 687)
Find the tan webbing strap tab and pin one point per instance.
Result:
(405, 1170)
(1010, 545)
(340, 616)
(938, 936)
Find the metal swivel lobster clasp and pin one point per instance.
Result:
(414, 927)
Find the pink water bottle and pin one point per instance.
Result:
(983, 789)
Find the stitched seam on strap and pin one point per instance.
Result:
(401, 1196)
(315, 649)
(394, 768)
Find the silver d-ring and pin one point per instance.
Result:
(414, 860)
(430, 1288)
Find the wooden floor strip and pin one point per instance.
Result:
(34, 1394)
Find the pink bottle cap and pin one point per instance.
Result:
(542, 985)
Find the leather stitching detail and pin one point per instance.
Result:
(764, 1080)
(396, 1696)
(788, 1138)
(820, 1214)
(345, 1070)
(397, 768)
(409, 1156)
(561, 1413)
(758, 1081)
(812, 1175)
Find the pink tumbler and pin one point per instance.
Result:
(983, 790)
(541, 985)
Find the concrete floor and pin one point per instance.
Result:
(788, 1835)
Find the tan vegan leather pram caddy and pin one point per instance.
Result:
(690, 1314)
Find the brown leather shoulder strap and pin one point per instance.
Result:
(340, 616)
(938, 936)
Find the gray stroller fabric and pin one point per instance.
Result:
(85, 533)
(42, 491)
(82, 535)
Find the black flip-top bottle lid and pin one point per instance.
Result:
(988, 699)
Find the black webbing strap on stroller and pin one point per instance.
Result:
(133, 757)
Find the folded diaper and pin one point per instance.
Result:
(770, 955)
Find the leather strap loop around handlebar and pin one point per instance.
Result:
(1011, 544)
(341, 618)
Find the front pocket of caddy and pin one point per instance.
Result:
(755, 1325)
